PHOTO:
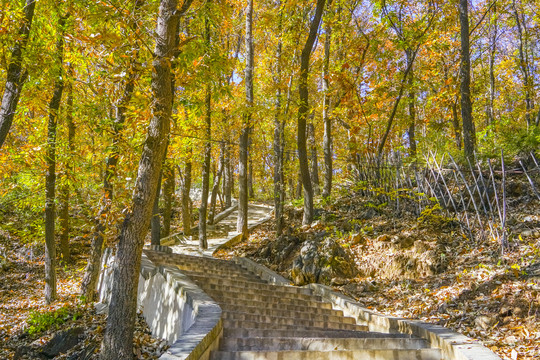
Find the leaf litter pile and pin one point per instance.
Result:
(29, 329)
(418, 268)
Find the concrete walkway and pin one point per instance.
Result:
(224, 231)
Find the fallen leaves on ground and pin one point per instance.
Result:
(21, 296)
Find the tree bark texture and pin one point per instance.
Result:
(15, 74)
(313, 158)
(242, 223)
(465, 82)
(217, 181)
(50, 177)
(227, 177)
(203, 209)
(118, 339)
(411, 105)
(186, 200)
(327, 121)
(303, 113)
(155, 223)
(456, 124)
(91, 274)
(494, 30)
(524, 67)
(251, 192)
(64, 196)
(279, 188)
(168, 196)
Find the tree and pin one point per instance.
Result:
(155, 223)
(203, 243)
(15, 74)
(168, 195)
(465, 82)
(217, 179)
(91, 273)
(327, 121)
(524, 66)
(185, 189)
(50, 177)
(303, 113)
(118, 338)
(242, 223)
(67, 176)
(279, 124)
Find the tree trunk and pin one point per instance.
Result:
(411, 105)
(217, 181)
(155, 223)
(15, 74)
(465, 86)
(227, 177)
(455, 122)
(314, 161)
(242, 223)
(524, 67)
(303, 112)
(203, 210)
(118, 338)
(493, 50)
(396, 104)
(279, 187)
(89, 282)
(64, 193)
(50, 177)
(299, 186)
(186, 200)
(168, 196)
(327, 137)
(203, 244)
(250, 166)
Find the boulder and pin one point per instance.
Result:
(62, 342)
(323, 261)
(305, 268)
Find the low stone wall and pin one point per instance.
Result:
(174, 308)
(454, 346)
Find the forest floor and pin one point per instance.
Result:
(423, 267)
(27, 324)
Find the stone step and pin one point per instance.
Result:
(293, 332)
(303, 304)
(254, 283)
(421, 354)
(208, 265)
(320, 344)
(280, 310)
(226, 275)
(223, 296)
(238, 291)
(197, 259)
(241, 285)
(234, 315)
(279, 323)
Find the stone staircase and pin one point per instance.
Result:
(267, 321)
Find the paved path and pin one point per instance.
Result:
(223, 231)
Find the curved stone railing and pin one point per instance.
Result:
(453, 346)
(174, 308)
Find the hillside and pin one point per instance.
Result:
(418, 268)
